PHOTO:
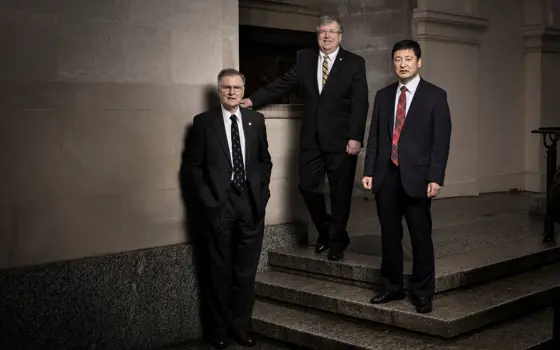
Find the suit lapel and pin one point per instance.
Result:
(391, 98)
(335, 70)
(248, 131)
(313, 62)
(219, 127)
(414, 104)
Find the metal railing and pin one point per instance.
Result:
(550, 136)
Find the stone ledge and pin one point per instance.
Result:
(364, 270)
(321, 330)
(279, 15)
(454, 313)
(282, 111)
(284, 236)
(540, 38)
(448, 27)
(279, 6)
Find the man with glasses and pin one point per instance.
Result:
(227, 164)
(335, 90)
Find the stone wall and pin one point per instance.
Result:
(95, 97)
(143, 299)
(96, 249)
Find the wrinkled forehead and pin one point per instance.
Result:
(231, 80)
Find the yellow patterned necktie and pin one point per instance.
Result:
(325, 68)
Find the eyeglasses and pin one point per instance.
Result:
(236, 88)
(331, 32)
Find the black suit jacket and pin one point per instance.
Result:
(336, 115)
(207, 159)
(423, 144)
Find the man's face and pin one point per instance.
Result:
(231, 89)
(329, 37)
(406, 64)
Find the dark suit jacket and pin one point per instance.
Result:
(207, 159)
(423, 144)
(339, 113)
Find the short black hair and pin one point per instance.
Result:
(405, 45)
(229, 72)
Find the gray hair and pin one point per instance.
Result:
(323, 20)
(230, 72)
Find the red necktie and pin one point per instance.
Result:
(399, 122)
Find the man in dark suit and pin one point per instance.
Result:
(405, 163)
(335, 89)
(228, 165)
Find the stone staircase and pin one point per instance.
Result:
(498, 298)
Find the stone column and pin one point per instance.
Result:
(541, 32)
(449, 34)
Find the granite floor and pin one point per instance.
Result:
(460, 225)
(262, 344)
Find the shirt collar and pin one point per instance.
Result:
(412, 85)
(332, 55)
(226, 114)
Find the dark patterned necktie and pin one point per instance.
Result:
(399, 122)
(237, 156)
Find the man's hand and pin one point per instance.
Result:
(433, 189)
(367, 182)
(353, 147)
(246, 103)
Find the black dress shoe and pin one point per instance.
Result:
(336, 252)
(386, 297)
(423, 305)
(218, 343)
(242, 338)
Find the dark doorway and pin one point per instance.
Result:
(266, 54)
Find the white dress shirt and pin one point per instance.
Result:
(411, 87)
(227, 123)
(332, 57)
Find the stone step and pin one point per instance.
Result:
(451, 272)
(455, 312)
(321, 330)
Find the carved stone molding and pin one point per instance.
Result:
(279, 6)
(282, 111)
(441, 26)
(539, 38)
(290, 15)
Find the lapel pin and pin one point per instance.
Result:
(249, 123)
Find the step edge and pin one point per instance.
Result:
(462, 278)
(347, 323)
(452, 326)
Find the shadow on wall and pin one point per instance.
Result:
(193, 217)
(294, 207)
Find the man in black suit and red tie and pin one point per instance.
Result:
(405, 163)
(335, 89)
(227, 165)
